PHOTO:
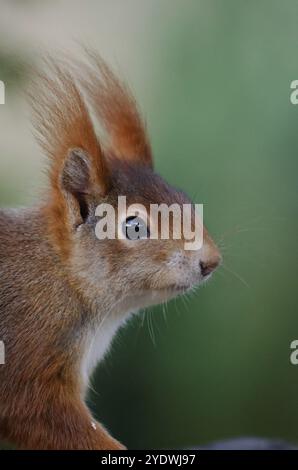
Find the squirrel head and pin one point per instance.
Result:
(86, 172)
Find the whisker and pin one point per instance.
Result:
(239, 229)
(150, 327)
(164, 313)
(237, 276)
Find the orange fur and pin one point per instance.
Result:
(117, 110)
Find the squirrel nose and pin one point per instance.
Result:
(207, 267)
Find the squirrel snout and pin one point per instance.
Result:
(209, 265)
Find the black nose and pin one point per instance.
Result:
(207, 267)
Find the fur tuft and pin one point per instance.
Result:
(62, 120)
(117, 110)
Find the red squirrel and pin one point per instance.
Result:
(63, 292)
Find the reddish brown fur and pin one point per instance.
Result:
(40, 396)
(117, 110)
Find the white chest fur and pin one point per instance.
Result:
(97, 344)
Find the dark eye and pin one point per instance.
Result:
(134, 228)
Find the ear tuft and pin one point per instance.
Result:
(62, 122)
(78, 170)
(117, 110)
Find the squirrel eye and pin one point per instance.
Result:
(134, 228)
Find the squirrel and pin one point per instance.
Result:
(63, 292)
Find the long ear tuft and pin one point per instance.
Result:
(62, 122)
(117, 111)
(77, 168)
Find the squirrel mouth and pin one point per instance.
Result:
(179, 287)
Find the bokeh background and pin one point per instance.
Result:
(213, 78)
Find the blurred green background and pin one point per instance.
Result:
(213, 78)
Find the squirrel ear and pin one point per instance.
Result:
(77, 182)
(118, 112)
(77, 166)
(76, 173)
(81, 174)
